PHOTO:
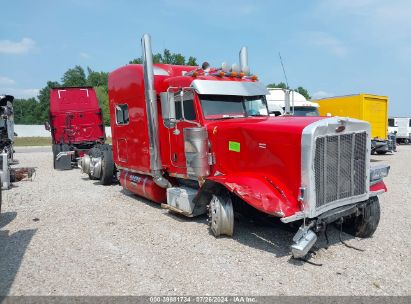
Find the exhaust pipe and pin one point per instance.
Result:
(244, 61)
(287, 102)
(151, 109)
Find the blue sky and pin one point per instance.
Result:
(336, 47)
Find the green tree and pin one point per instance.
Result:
(168, 58)
(102, 97)
(75, 77)
(43, 107)
(303, 92)
(192, 61)
(282, 85)
(95, 79)
(24, 111)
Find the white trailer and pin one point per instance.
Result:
(299, 106)
(392, 125)
(404, 129)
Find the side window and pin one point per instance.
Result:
(188, 103)
(391, 122)
(122, 114)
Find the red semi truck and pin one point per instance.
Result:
(200, 140)
(76, 124)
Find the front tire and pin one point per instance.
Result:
(365, 224)
(221, 215)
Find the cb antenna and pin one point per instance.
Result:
(288, 94)
(282, 65)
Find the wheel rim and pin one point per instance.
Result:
(221, 216)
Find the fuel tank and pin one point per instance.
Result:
(143, 185)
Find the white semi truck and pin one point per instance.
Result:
(299, 105)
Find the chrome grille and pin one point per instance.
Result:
(340, 167)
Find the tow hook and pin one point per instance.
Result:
(303, 240)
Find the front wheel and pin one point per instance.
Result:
(221, 215)
(365, 224)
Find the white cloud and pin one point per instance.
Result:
(5, 81)
(20, 47)
(327, 41)
(20, 93)
(84, 55)
(321, 94)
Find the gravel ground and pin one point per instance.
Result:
(63, 234)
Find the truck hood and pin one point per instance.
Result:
(265, 149)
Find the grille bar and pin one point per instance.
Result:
(339, 167)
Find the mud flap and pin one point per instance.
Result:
(63, 160)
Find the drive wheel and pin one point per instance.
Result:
(406, 141)
(107, 167)
(365, 224)
(382, 152)
(221, 215)
(94, 152)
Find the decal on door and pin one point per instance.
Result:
(234, 146)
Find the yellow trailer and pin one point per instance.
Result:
(368, 107)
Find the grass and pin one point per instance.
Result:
(38, 141)
(32, 141)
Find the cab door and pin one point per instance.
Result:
(186, 117)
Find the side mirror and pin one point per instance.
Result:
(168, 109)
(47, 126)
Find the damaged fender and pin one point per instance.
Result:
(264, 193)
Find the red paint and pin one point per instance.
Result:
(142, 185)
(75, 116)
(265, 173)
(378, 187)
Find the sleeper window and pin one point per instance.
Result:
(122, 114)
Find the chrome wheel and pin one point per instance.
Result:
(221, 215)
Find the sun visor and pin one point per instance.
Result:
(239, 88)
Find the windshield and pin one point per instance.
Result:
(306, 111)
(232, 106)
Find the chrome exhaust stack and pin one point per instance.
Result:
(152, 118)
(244, 61)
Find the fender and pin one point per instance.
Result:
(264, 193)
(378, 188)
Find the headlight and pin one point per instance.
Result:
(379, 172)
